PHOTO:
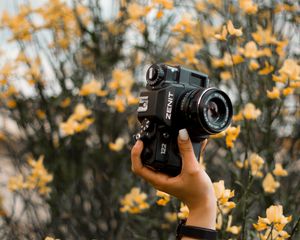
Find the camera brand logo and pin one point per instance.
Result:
(143, 105)
(169, 105)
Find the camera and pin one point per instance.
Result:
(176, 98)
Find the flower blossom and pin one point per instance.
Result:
(274, 94)
(273, 224)
(248, 6)
(279, 171)
(164, 198)
(256, 163)
(37, 179)
(78, 121)
(270, 184)
(117, 145)
(134, 202)
(184, 211)
(251, 112)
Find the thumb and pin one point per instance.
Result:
(186, 150)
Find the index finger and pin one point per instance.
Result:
(157, 179)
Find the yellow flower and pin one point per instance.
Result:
(223, 195)
(234, 31)
(188, 53)
(135, 11)
(171, 217)
(290, 68)
(281, 78)
(81, 112)
(185, 25)
(184, 212)
(65, 103)
(241, 164)
(248, 6)
(159, 14)
(84, 124)
(274, 223)
(269, 184)
(37, 179)
(253, 65)
(275, 215)
(78, 121)
(251, 112)
(140, 25)
(280, 47)
(250, 50)
(267, 69)
(164, 198)
(238, 117)
(121, 80)
(167, 4)
(200, 6)
(287, 91)
(118, 103)
(227, 60)
(231, 135)
(2, 210)
(2, 136)
(232, 229)
(274, 94)
(279, 171)
(286, 7)
(16, 183)
(11, 103)
(134, 202)
(264, 36)
(222, 36)
(117, 145)
(295, 84)
(50, 238)
(41, 114)
(69, 126)
(92, 87)
(256, 163)
(226, 75)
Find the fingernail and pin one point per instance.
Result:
(183, 134)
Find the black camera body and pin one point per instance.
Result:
(176, 98)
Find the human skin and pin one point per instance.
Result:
(192, 186)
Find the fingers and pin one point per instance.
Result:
(158, 180)
(186, 150)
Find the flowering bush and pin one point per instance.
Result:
(71, 91)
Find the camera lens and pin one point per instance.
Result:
(155, 74)
(212, 111)
(208, 108)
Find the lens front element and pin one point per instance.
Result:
(215, 110)
(208, 108)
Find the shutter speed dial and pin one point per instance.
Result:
(155, 75)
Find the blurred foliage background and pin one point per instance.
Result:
(70, 89)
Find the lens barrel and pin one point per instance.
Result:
(209, 108)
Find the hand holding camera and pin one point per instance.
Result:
(178, 98)
(192, 186)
